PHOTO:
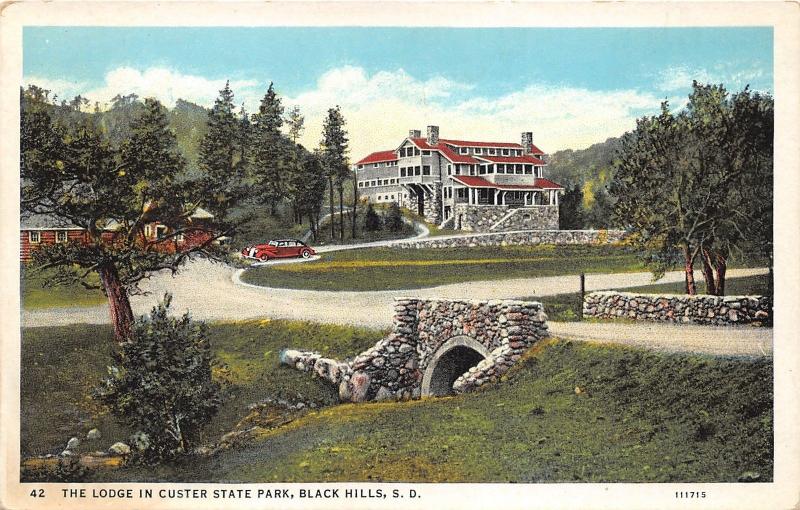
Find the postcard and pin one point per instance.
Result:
(400, 255)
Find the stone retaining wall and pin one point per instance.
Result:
(481, 218)
(403, 365)
(698, 309)
(517, 238)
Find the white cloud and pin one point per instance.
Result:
(381, 107)
(734, 77)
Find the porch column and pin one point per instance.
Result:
(556, 195)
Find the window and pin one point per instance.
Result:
(490, 169)
(505, 152)
(360, 184)
(273, 243)
(518, 169)
(416, 170)
(360, 167)
(501, 169)
(478, 150)
(374, 183)
(492, 152)
(34, 237)
(426, 169)
(528, 169)
(463, 150)
(374, 165)
(179, 238)
(148, 231)
(402, 172)
(482, 169)
(61, 236)
(392, 197)
(449, 169)
(426, 153)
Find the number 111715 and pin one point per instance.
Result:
(690, 494)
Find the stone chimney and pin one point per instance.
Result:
(433, 135)
(527, 142)
(414, 133)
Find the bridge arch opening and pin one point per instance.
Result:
(449, 362)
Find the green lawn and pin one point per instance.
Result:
(388, 269)
(36, 295)
(638, 417)
(567, 307)
(61, 365)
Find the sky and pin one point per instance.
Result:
(571, 87)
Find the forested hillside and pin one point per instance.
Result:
(586, 174)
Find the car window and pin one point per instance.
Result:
(273, 243)
(281, 243)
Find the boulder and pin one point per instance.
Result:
(358, 386)
(73, 444)
(93, 434)
(120, 448)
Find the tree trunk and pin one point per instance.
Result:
(691, 286)
(333, 227)
(721, 266)
(708, 273)
(355, 202)
(118, 302)
(341, 213)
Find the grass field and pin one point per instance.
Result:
(61, 365)
(638, 417)
(36, 295)
(388, 269)
(567, 307)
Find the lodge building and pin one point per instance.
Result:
(475, 186)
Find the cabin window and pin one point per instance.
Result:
(426, 169)
(148, 231)
(61, 236)
(34, 237)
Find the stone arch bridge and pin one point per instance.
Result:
(436, 347)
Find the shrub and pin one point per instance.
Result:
(372, 221)
(394, 218)
(161, 382)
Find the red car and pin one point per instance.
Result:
(279, 248)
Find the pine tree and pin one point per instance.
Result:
(372, 221)
(334, 146)
(219, 153)
(270, 150)
(294, 169)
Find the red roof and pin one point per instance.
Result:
(513, 159)
(479, 182)
(422, 143)
(463, 143)
(378, 157)
(548, 184)
(455, 158)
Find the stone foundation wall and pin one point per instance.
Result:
(698, 309)
(485, 218)
(517, 238)
(394, 368)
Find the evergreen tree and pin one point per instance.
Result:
(394, 218)
(220, 152)
(294, 168)
(372, 221)
(334, 146)
(570, 213)
(72, 172)
(270, 150)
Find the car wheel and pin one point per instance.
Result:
(263, 257)
(305, 254)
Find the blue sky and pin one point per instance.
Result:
(459, 78)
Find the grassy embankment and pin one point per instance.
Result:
(61, 365)
(35, 294)
(638, 416)
(388, 268)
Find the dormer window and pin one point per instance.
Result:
(491, 152)
(505, 152)
(478, 150)
(463, 150)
